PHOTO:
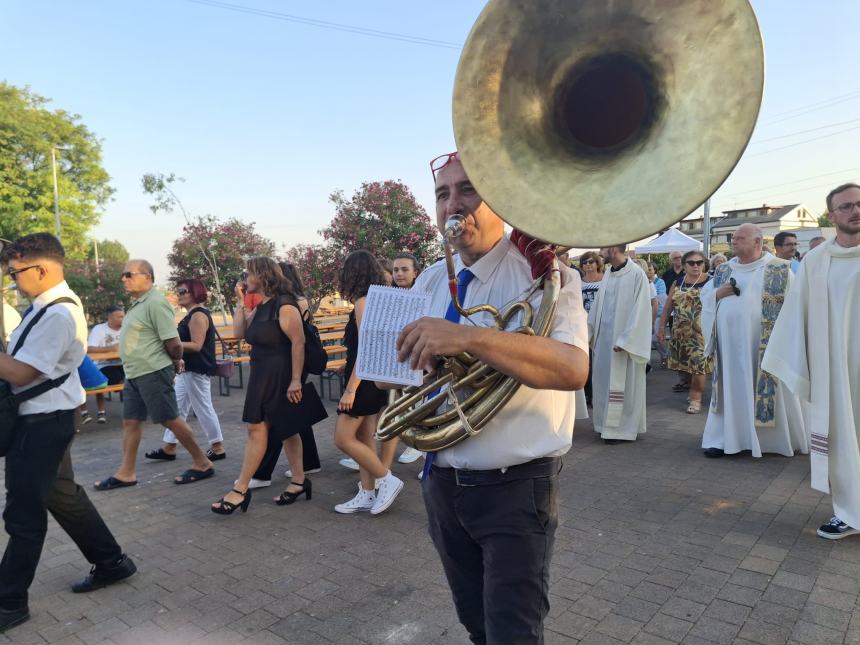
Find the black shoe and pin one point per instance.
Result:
(714, 453)
(211, 455)
(287, 497)
(223, 507)
(102, 576)
(612, 442)
(160, 455)
(11, 617)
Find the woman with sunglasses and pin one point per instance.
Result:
(687, 345)
(591, 265)
(193, 391)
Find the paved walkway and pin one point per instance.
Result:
(656, 545)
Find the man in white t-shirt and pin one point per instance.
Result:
(492, 500)
(104, 339)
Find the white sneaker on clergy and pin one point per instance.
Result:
(349, 462)
(389, 488)
(257, 483)
(410, 455)
(364, 501)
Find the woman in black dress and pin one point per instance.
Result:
(361, 403)
(274, 331)
(312, 406)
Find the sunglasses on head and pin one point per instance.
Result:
(443, 160)
(694, 262)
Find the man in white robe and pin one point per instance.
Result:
(619, 326)
(749, 409)
(815, 351)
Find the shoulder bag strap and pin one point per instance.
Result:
(50, 384)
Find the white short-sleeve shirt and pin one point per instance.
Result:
(56, 345)
(534, 423)
(102, 335)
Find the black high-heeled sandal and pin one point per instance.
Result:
(288, 498)
(227, 508)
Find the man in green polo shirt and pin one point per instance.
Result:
(151, 355)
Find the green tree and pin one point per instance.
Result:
(383, 218)
(109, 251)
(28, 131)
(227, 245)
(319, 268)
(824, 220)
(97, 290)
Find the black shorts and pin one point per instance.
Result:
(151, 395)
(114, 374)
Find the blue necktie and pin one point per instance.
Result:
(463, 279)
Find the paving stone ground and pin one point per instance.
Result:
(656, 545)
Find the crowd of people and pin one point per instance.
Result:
(492, 501)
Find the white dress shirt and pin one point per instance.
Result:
(534, 423)
(55, 346)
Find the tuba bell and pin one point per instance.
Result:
(586, 123)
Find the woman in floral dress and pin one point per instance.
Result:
(687, 345)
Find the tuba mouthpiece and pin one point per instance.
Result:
(455, 226)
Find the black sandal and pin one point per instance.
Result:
(211, 455)
(160, 455)
(227, 508)
(287, 497)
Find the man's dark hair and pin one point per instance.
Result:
(33, 247)
(112, 310)
(836, 191)
(403, 255)
(779, 238)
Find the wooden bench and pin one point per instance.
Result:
(109, 389)
(332, 373)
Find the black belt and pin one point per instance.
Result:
(542, 467)
(43, 416)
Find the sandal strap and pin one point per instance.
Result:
(238, 492)
(294, 483)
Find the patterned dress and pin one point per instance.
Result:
(687, 346)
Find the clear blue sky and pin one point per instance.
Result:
(266, 117)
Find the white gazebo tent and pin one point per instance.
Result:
(671, 240)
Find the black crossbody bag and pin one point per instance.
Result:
(9, 402)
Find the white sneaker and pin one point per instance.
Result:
(289, 473)
(421, 475)
(389, 488)
(364, 501)
(349, 462)
(256, 483)
(410, 455)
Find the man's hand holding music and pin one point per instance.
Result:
(422, 342)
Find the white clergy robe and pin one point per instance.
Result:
(815, 351)
(620, 317)
(732, 330)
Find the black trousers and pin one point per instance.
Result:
(495, 542)
(310, 455)
(39, 478)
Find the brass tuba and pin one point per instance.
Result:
(588, 123)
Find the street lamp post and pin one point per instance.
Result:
(57, 226)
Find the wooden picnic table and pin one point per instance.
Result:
(104, 356)
(330, 336)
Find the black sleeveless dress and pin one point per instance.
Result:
(369, 399)
(271, 373)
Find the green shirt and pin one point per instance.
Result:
(148, 322)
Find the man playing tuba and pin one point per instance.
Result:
(492, 500)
